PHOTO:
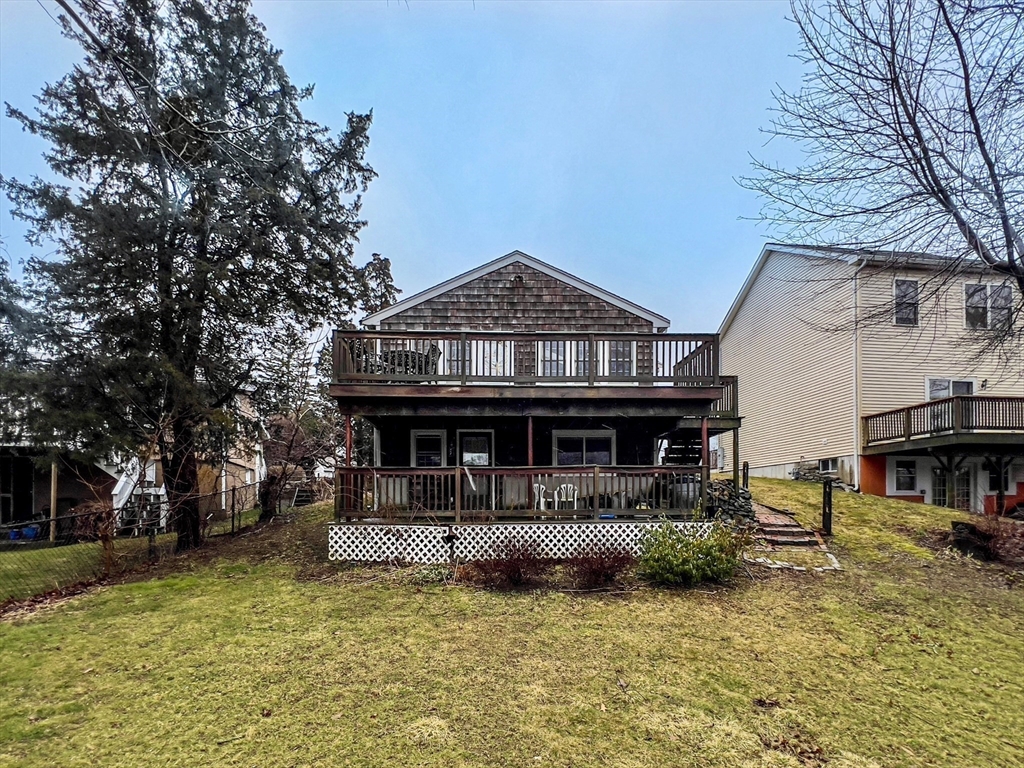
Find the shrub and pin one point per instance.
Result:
(595, 568)
(676, 557)
(1007, 539)
(515, 564)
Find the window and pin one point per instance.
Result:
(906, 475)
(428, 448)
(620, 358)
(552, 358)
(828, 465)
(582, 356)
(942, 388)
(590, 448)
(1000, 306)
(993, 480)
(907, 299)
(987, 306)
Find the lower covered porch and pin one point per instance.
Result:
(462, 468)
(487, 494)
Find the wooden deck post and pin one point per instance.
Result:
(529, 461)
(595, 503)
(53, 501)
(458, 494)
(705, 469)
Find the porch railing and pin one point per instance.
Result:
(493, 357)
(967, 413)
(464, 494)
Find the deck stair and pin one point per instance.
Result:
(777, 529)
(683, 454)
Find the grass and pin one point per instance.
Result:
(28, 571)
(25, 572)
(870, 528)
(259, 653)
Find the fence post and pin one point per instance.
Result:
(746, 475)
(736, 459)
(233, 511)
(826, 506)
(53, 501)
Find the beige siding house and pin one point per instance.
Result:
(904, 392)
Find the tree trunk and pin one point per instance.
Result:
(181, 480)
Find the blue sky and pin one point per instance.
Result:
(604, 138)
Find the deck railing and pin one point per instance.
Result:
(950, 415)
(485, 494)
(493, 357)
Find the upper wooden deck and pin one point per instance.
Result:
(631, 368)
(996, 422)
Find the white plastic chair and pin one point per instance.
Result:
(568, 493)
(539, 502)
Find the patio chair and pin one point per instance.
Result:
(568, 493)
(539, 501)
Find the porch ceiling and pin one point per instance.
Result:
(976, 443)
(444, 400)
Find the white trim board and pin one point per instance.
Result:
(660, 323)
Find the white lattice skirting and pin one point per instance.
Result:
(376, 543)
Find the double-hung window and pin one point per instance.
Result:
(987, 306)
(906, 475)
(907, 302)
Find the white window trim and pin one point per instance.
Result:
(458, 443)
(988, 303)
(917, 478)
(557, 433)
(442, 433)
(918, 323)
(928, 384)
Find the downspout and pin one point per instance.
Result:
(856, 374)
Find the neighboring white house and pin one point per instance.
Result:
(873, 372)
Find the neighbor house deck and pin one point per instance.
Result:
(967, 421)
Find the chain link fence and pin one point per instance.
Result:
(94, 541)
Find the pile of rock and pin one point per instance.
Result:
(727, 504)
(811, 474)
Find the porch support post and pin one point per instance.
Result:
(529, 441)
(529, 461)
(736, 459)
(348, 439)
(53, 501)
(705, 469)
(951, 482)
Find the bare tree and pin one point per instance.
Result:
(911, 120)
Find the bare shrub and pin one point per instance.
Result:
(514, 564)
(598, 567)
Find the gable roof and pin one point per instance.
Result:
(833, 253)
(660, 323)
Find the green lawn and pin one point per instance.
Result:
(32, 571)
(29, 571)
(261, 654)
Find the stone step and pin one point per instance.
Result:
(780, 531)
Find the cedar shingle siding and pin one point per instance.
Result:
(516, 298)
